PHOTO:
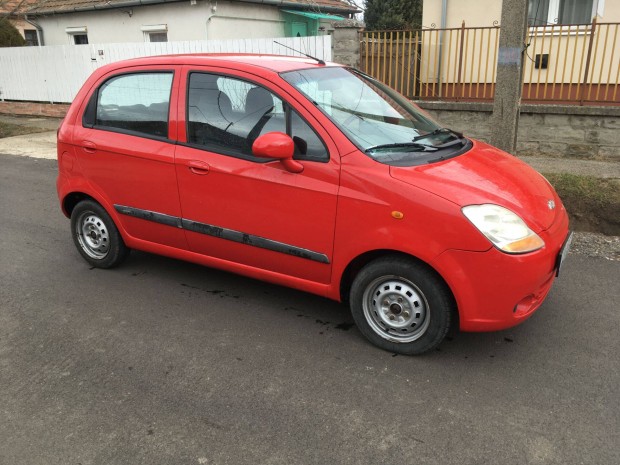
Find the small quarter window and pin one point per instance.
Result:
(308, 146)
(136, 103)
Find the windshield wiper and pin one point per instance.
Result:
(413, 145)
(436, 132)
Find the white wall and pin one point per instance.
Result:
(234, 20)
(231, 20)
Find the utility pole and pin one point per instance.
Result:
(509, 75)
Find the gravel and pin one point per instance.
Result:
(596, 245)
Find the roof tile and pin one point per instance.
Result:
(66, 6)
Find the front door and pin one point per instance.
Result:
(247, 210)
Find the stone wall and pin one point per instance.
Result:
(346, 42)
(544, 130)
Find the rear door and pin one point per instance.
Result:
(248, 210)
(126, 141)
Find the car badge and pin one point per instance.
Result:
(551, 204)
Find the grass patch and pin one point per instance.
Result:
(10, 130)
(593, 204)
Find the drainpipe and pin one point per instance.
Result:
(38, 29)
(444, 16)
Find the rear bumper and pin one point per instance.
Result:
(495, 290)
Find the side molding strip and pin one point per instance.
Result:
(150, 216)
(223, 233)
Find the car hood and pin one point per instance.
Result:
(487, 175)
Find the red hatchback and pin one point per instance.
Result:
(313, 176)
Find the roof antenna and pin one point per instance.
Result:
(318, 60)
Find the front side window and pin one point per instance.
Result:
(135, 103)
(226, 115)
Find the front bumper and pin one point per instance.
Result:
(495, 290)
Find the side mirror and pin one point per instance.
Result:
(279, 146)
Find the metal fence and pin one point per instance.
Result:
(454, 63)
(56, 73)
(573, 64)
(569, 64)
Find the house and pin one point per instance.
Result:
(15, 10)
(62, 22)
(568, 55)
(482, 13)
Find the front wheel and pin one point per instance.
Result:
(95, 235)
(401, 305)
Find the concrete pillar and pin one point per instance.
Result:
(346, 42)
(509, 75)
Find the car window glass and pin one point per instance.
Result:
(226, 115)
(308, 146)
(136, 102)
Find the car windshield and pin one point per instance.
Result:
(381, 122)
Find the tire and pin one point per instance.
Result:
(401, 305)
(95, 235)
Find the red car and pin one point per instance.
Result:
(313, 176)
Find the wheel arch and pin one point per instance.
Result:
(355, 265)
(72, 199)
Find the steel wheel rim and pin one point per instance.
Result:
(396, 309)
(93, 236)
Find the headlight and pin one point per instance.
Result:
(503, 228)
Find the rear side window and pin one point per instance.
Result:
(136, 103)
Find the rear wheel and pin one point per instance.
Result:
(401, 305)
(95, 235)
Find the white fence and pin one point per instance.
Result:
(56, 73)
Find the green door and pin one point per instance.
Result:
(300, 29)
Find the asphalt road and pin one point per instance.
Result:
(164, 362)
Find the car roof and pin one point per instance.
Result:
(276, 63)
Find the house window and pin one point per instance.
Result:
(544, 12)
(158, 37)
(80, 39)
(155, 32)
(77, 35)
(31, 37)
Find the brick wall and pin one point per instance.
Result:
(33, 108)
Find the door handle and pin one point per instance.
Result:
(88, 146)
(198, 167)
